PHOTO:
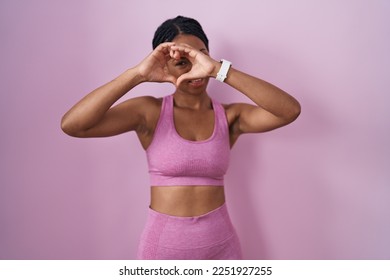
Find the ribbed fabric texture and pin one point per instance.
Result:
(175, 161)
(207, 237)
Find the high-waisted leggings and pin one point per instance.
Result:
(207, 237)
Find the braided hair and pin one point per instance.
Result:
(169, 29)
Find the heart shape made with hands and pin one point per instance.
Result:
(202, 64)
(155, 68)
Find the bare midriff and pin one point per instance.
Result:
(186, 201)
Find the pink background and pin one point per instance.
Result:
(316, 189)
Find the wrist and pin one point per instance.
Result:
(221, 72)
(136, 75)
(129, 78)
(217, 66)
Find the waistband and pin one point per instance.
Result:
(161, 180)
(188, 232)
(221, 210)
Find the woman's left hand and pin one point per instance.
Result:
(203, 66)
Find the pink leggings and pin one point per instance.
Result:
(207, 237)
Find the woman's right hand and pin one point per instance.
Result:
(95, 116)
(154, 67)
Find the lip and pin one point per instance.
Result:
(197, 82)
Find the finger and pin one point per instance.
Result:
(182, 45)
(183, 48)
(164, 47)
(179, 80)
(182, 51)
(175, 54)
(172, 80)
(169, 77)
(184, 77)
(171, 53)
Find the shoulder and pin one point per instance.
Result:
(149, 101)
(234, 110)
(139, 110)
(142, 105)
(150, 105)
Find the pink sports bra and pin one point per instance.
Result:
(175, 161)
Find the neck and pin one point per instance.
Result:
(192, 101)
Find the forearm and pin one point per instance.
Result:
(91, 109)
(264, 94)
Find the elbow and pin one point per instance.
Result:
(69, 128)
(297, 110)
(294, 112)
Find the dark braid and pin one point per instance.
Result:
(167, 31)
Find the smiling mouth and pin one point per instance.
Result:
(197, 82)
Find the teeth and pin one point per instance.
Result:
(195, 81)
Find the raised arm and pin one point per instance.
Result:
(94, 116)
(275, 108)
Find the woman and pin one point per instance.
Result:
(187, 137)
